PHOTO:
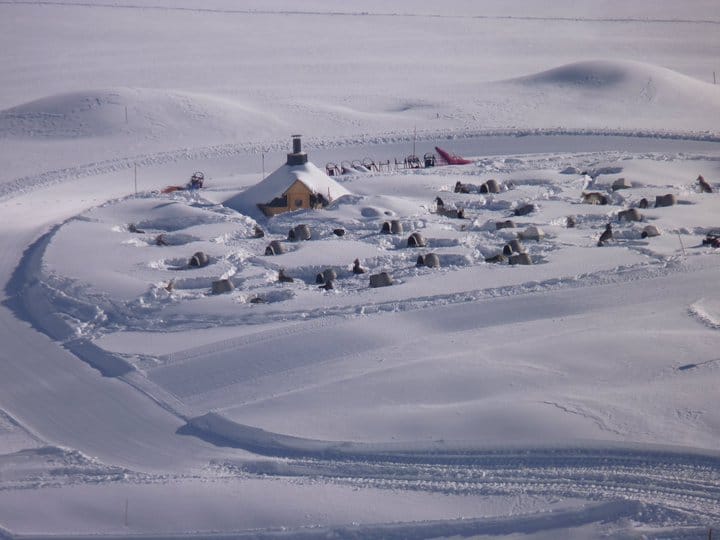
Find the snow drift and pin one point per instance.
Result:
(142, 112)
(600, 92)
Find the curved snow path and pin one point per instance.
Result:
(470, 143)
(683, 487)
(526, 524)
(59, 398)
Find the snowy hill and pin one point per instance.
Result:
(145, 113)
(605, 90)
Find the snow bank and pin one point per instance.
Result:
(624, 76)
(602, 89)
(140, 112)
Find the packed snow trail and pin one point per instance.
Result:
(684, 487)
(61, 399)
(479, 142)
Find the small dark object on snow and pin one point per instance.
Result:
(197, 180)
(274, 248)
(643, 203)
(524, 210)
(519, 258)
(133, 229)
(621, 183)
(222, 286)
(687, 366)
(606, 235)
(416, 240)
(392, 227)
(491, 186)
(257, 300)
(532, 233)
(454, 213)
(283, 278)
(331, 169)
(328, 285)
(499, 258)
(461, 188)
(650, 231)
(665, 200)
(382, 279)
(199, 259)
(439, 203)
(570, 222)
(712, 238)
(594, 198)
(329, 274)
(631, 214)
(258, 232)
(507, 224)
(704, 186)
(339, 232)
(319, 278)
(431, 260)
(299, 232)
(160, 240)
(514, 246)
(357, 269)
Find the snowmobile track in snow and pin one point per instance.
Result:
(682, 489)
(25, 184)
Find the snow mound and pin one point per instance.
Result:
(644, 81)
(146, 113)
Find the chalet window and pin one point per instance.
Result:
(298, 203)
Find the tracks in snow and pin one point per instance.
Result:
(340, 13)
(29, 183)
(673, 489)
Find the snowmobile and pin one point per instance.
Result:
(196, 182)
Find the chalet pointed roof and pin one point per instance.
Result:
(278, 182)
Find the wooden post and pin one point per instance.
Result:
(681, 245)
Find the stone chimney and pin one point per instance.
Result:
(297, 157)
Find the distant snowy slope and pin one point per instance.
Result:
(145, 113)
(607, 92)
(643, 82)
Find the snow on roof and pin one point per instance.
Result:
(280, 180)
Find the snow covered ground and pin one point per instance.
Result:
(571, 397)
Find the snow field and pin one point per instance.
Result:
(471, 399)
